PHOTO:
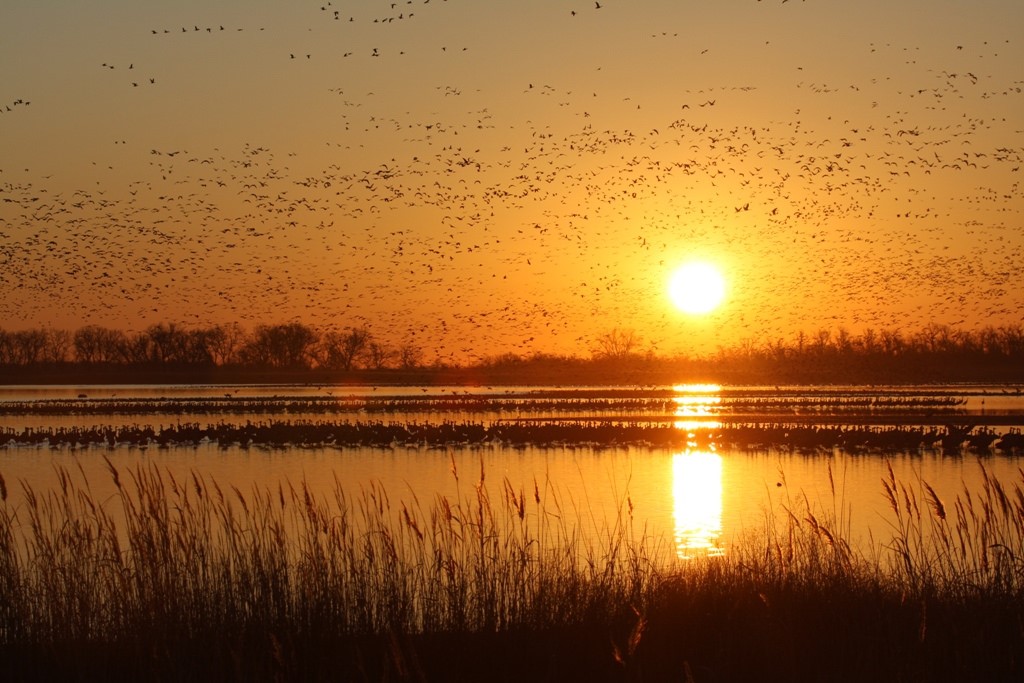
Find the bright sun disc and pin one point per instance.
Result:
(696, 287)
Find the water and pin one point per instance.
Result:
(692, 500)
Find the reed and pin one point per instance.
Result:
(975, 544)
(179, 579)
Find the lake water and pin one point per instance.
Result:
(697, 498)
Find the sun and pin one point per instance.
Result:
(696, 287)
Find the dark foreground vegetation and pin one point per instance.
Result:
(295, 352)
(183, 580)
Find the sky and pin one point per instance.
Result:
(481, 178)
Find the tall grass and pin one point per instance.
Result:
(170, 561)
(975, 544)
(178, 579)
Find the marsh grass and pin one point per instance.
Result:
(177, 579)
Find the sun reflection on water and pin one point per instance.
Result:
(695, 404)
(697, 503)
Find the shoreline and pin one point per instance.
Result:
(539, 373)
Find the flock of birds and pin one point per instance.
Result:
(536, 213)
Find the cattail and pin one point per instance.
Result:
(241, 499)
(933, 500)
(411, 523)
(638, 631)
(890, 495)
(446, 508)
(113, 472)
(910, 506)
(3, 489)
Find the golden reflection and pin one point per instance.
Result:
(697, 504)
(695, 404)
(697, 388)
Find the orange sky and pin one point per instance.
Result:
(481, 178)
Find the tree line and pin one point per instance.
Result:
(284, 346)
(934, 353)
(991, 353)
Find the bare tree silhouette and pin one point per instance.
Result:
(342, 350)
(616, 344)
(934, 353)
